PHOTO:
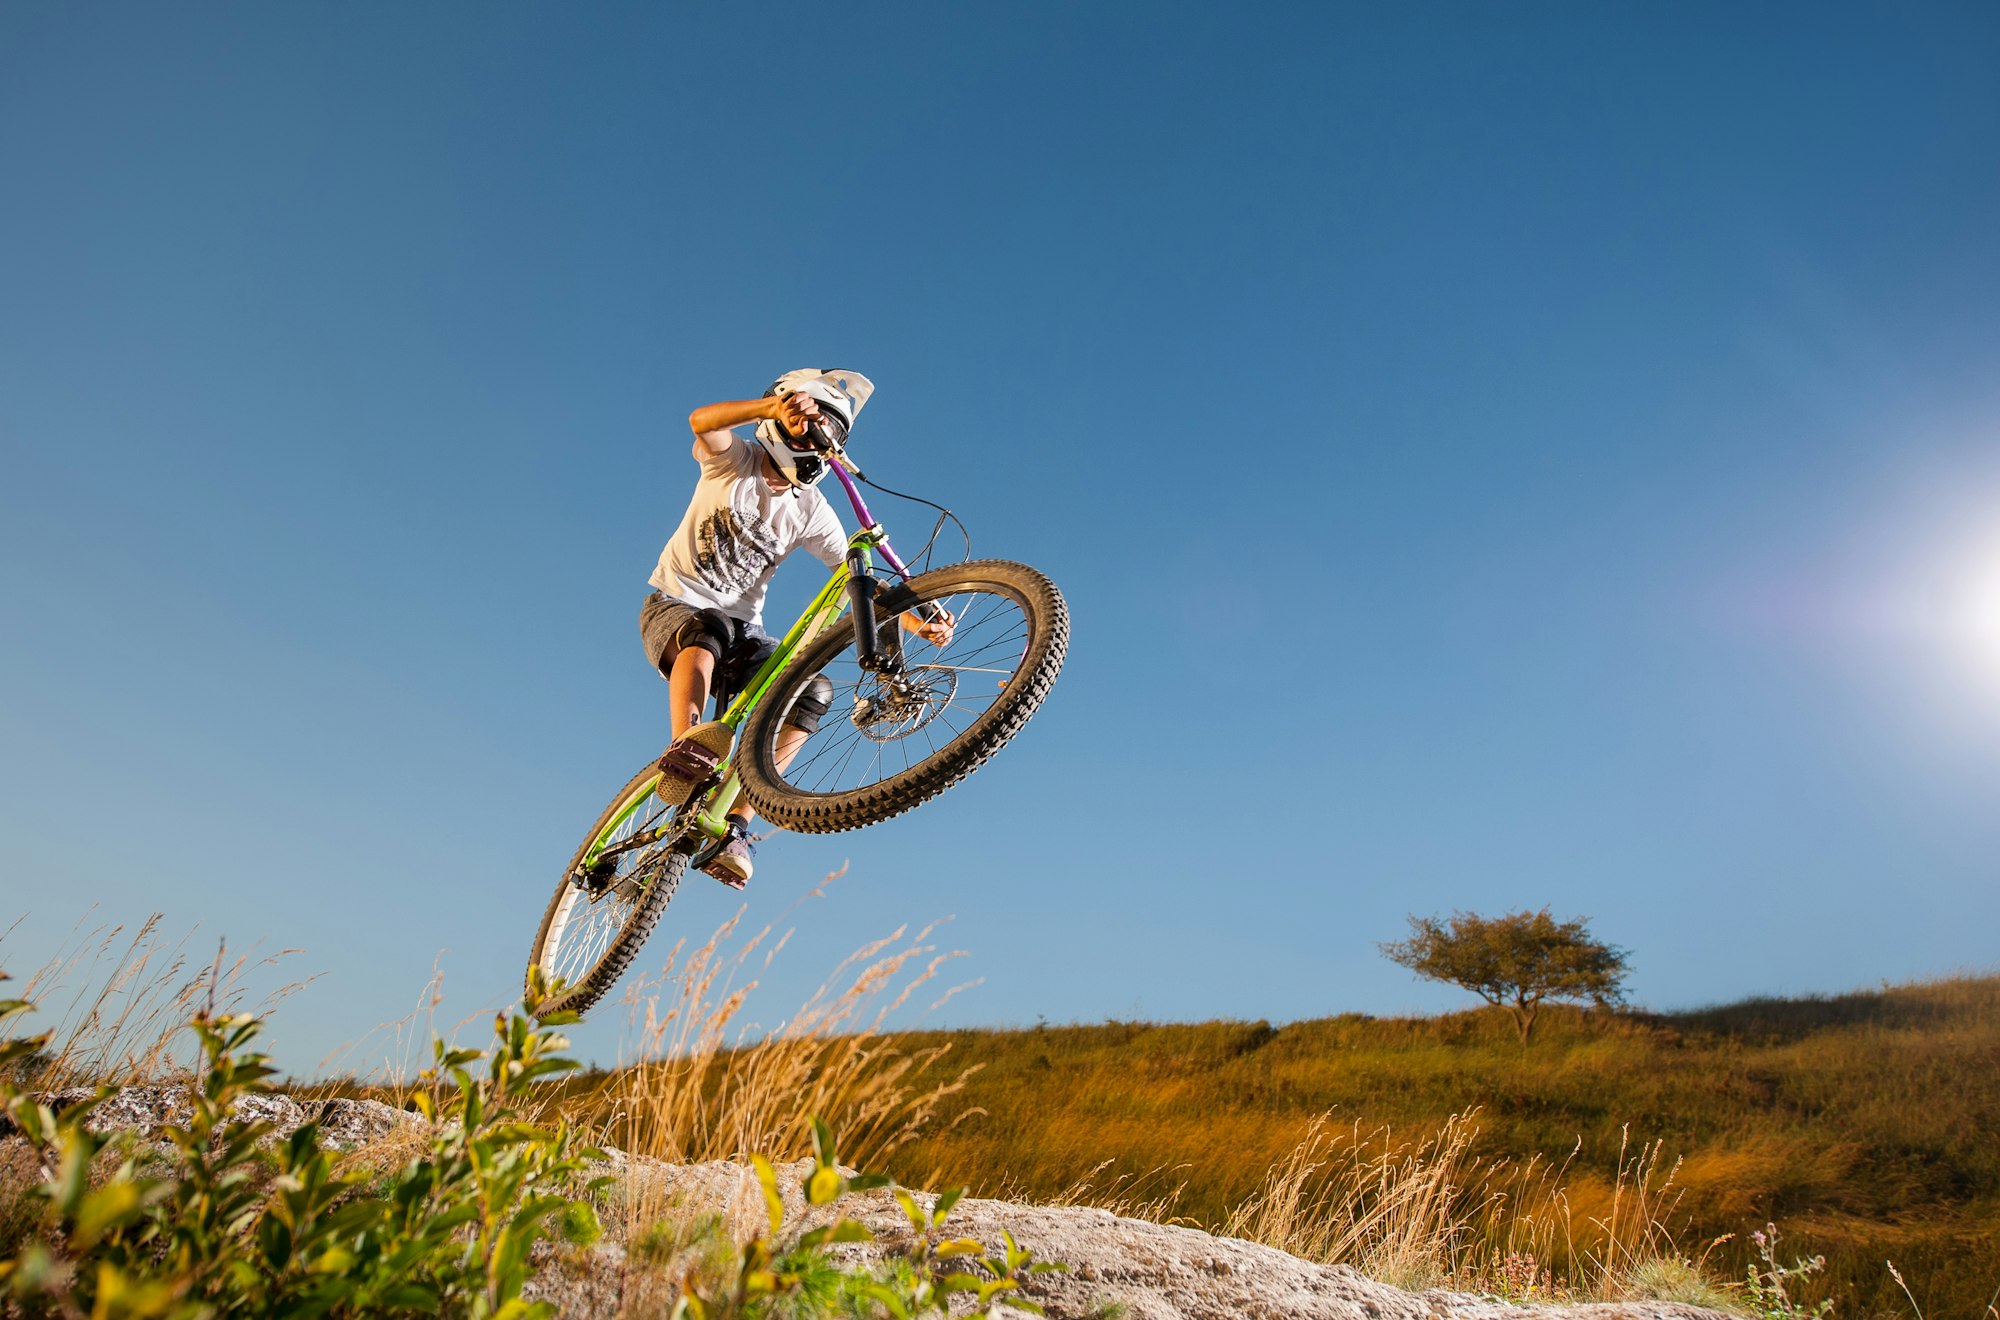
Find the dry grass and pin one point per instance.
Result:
(695, 1087)
(1403, 1212)
(384, 1063)
(1154, 1195)
(1861, 1123)
(20, 1210)
(695, 1091)
(1431, 1211)
(121, 1000)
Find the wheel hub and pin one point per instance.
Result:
(892, 706)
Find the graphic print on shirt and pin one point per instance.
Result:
(732, 551)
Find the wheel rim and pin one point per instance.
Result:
(588, 918)
(871, 733)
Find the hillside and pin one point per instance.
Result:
(1425, 1152)
(219, 1194)
(1864, 1125)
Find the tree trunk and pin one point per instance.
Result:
(1524, 1011)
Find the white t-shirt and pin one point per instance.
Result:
(735, 531)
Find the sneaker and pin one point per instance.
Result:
(732, 864)
(691, 760)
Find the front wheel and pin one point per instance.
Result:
(890, 741)
(608, 901)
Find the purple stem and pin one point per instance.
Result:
(867, 518)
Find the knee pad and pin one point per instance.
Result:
(812, 704)
(701, 631)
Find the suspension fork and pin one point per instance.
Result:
(861, 607)
(874, 651)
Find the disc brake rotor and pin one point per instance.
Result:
(895, 706)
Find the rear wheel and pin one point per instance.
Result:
(889, 742)
(602, 913)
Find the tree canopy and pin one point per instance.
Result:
(1516, 961)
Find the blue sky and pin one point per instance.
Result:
(1495, 456)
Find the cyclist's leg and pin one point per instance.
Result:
(687, 686)
(684, 647)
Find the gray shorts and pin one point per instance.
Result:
(667, 625)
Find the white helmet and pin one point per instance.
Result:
(839, 394)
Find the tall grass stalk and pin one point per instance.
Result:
(1399, 1211)
(1638, 1228)
(395, 1076)
(122, 998)
(1431, 1211)
(1154, 1195)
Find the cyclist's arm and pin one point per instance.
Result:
(711, 425)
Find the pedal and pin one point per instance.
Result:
(688, 761)
(705, 854)
(702, 856)
(692, 761)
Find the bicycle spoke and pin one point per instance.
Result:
(859, 743)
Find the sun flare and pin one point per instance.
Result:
(1976, 612)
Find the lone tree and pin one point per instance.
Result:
(1515, 961)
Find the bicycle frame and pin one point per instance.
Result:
(826, 609)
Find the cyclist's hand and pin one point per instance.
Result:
(937, 630)
(795, 412)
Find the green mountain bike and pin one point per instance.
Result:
(908, 719)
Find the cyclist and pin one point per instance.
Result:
(702, 625)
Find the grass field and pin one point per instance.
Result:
(1617, 1155)
(1866, 1126)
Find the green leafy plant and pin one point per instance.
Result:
(239, 1223)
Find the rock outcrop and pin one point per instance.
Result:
(1115, 1265)
(144, 1110)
